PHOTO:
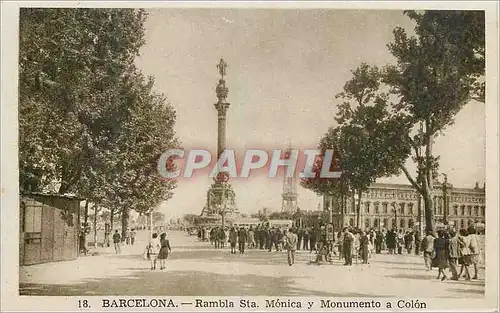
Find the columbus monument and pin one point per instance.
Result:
(220, 204)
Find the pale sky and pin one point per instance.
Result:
(284, 67)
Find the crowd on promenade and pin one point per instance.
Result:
(448, 250)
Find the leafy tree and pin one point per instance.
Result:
(280, 216)
(89, 120)
(190, 218)
(437, 72)
(68, 59)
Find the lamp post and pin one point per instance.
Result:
(395, 210)
(445, 198)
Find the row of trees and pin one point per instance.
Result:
(391, 115)
(89, 120)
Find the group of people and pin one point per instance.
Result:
(158, 249)
(451, 249)
(262, 237)
(128, 238)
(448, 250)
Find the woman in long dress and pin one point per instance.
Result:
(164, 250)
(441, 258)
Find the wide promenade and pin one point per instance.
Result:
(197, 269)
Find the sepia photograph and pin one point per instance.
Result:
(229, 151)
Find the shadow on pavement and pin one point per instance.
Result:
(412, 276)
(145, 282)
(470, 291)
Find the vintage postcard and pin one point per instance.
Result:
(249, 156)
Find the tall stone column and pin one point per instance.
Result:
(221, 106)
(221, 200)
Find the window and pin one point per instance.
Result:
(462, 210)
(410, 223)
(476, 210)
(410, 208)
(402, 208)
(376, 208)
(402, 223)
(367, 223)
(462, 224)
(351, 222)
(367, 207)
(482, 211)
(469, 210)
(375, 223)
(385, 223)
(384, 207)
(455, 209)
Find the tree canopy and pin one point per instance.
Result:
(89, 120)
(393, 114)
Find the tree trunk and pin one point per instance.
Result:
(427, 183)
(95, 225)
(86, 216)
(358, 210)
(112, 219)
(125, 218)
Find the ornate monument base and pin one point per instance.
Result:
(220, 203)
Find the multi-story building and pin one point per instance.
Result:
(400, 206)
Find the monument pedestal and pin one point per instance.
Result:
(220, 202)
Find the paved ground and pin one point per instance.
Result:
(196, 268)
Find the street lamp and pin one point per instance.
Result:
(395, 211)
(445, 198)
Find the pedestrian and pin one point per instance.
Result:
(233, 236)
(269, 239)
(378, 241)
(127, 236)
(340, 242)
(251, 238)
(417, 242)
(291, 240)
(453, 254)
(153, 250)
(408, 242)
(242, 239)
(364, 244)
(474, 249)
(391, 241)
(427, 246)
(441, 254)
(132, 236)
(300, 235)
(313, 239)
(306, 238)
(221, 237)
(279, 240)
(348, 240)
(465, 253)
(116, 241)
(400, 242)
(164, 251)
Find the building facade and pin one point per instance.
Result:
(400, 206)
